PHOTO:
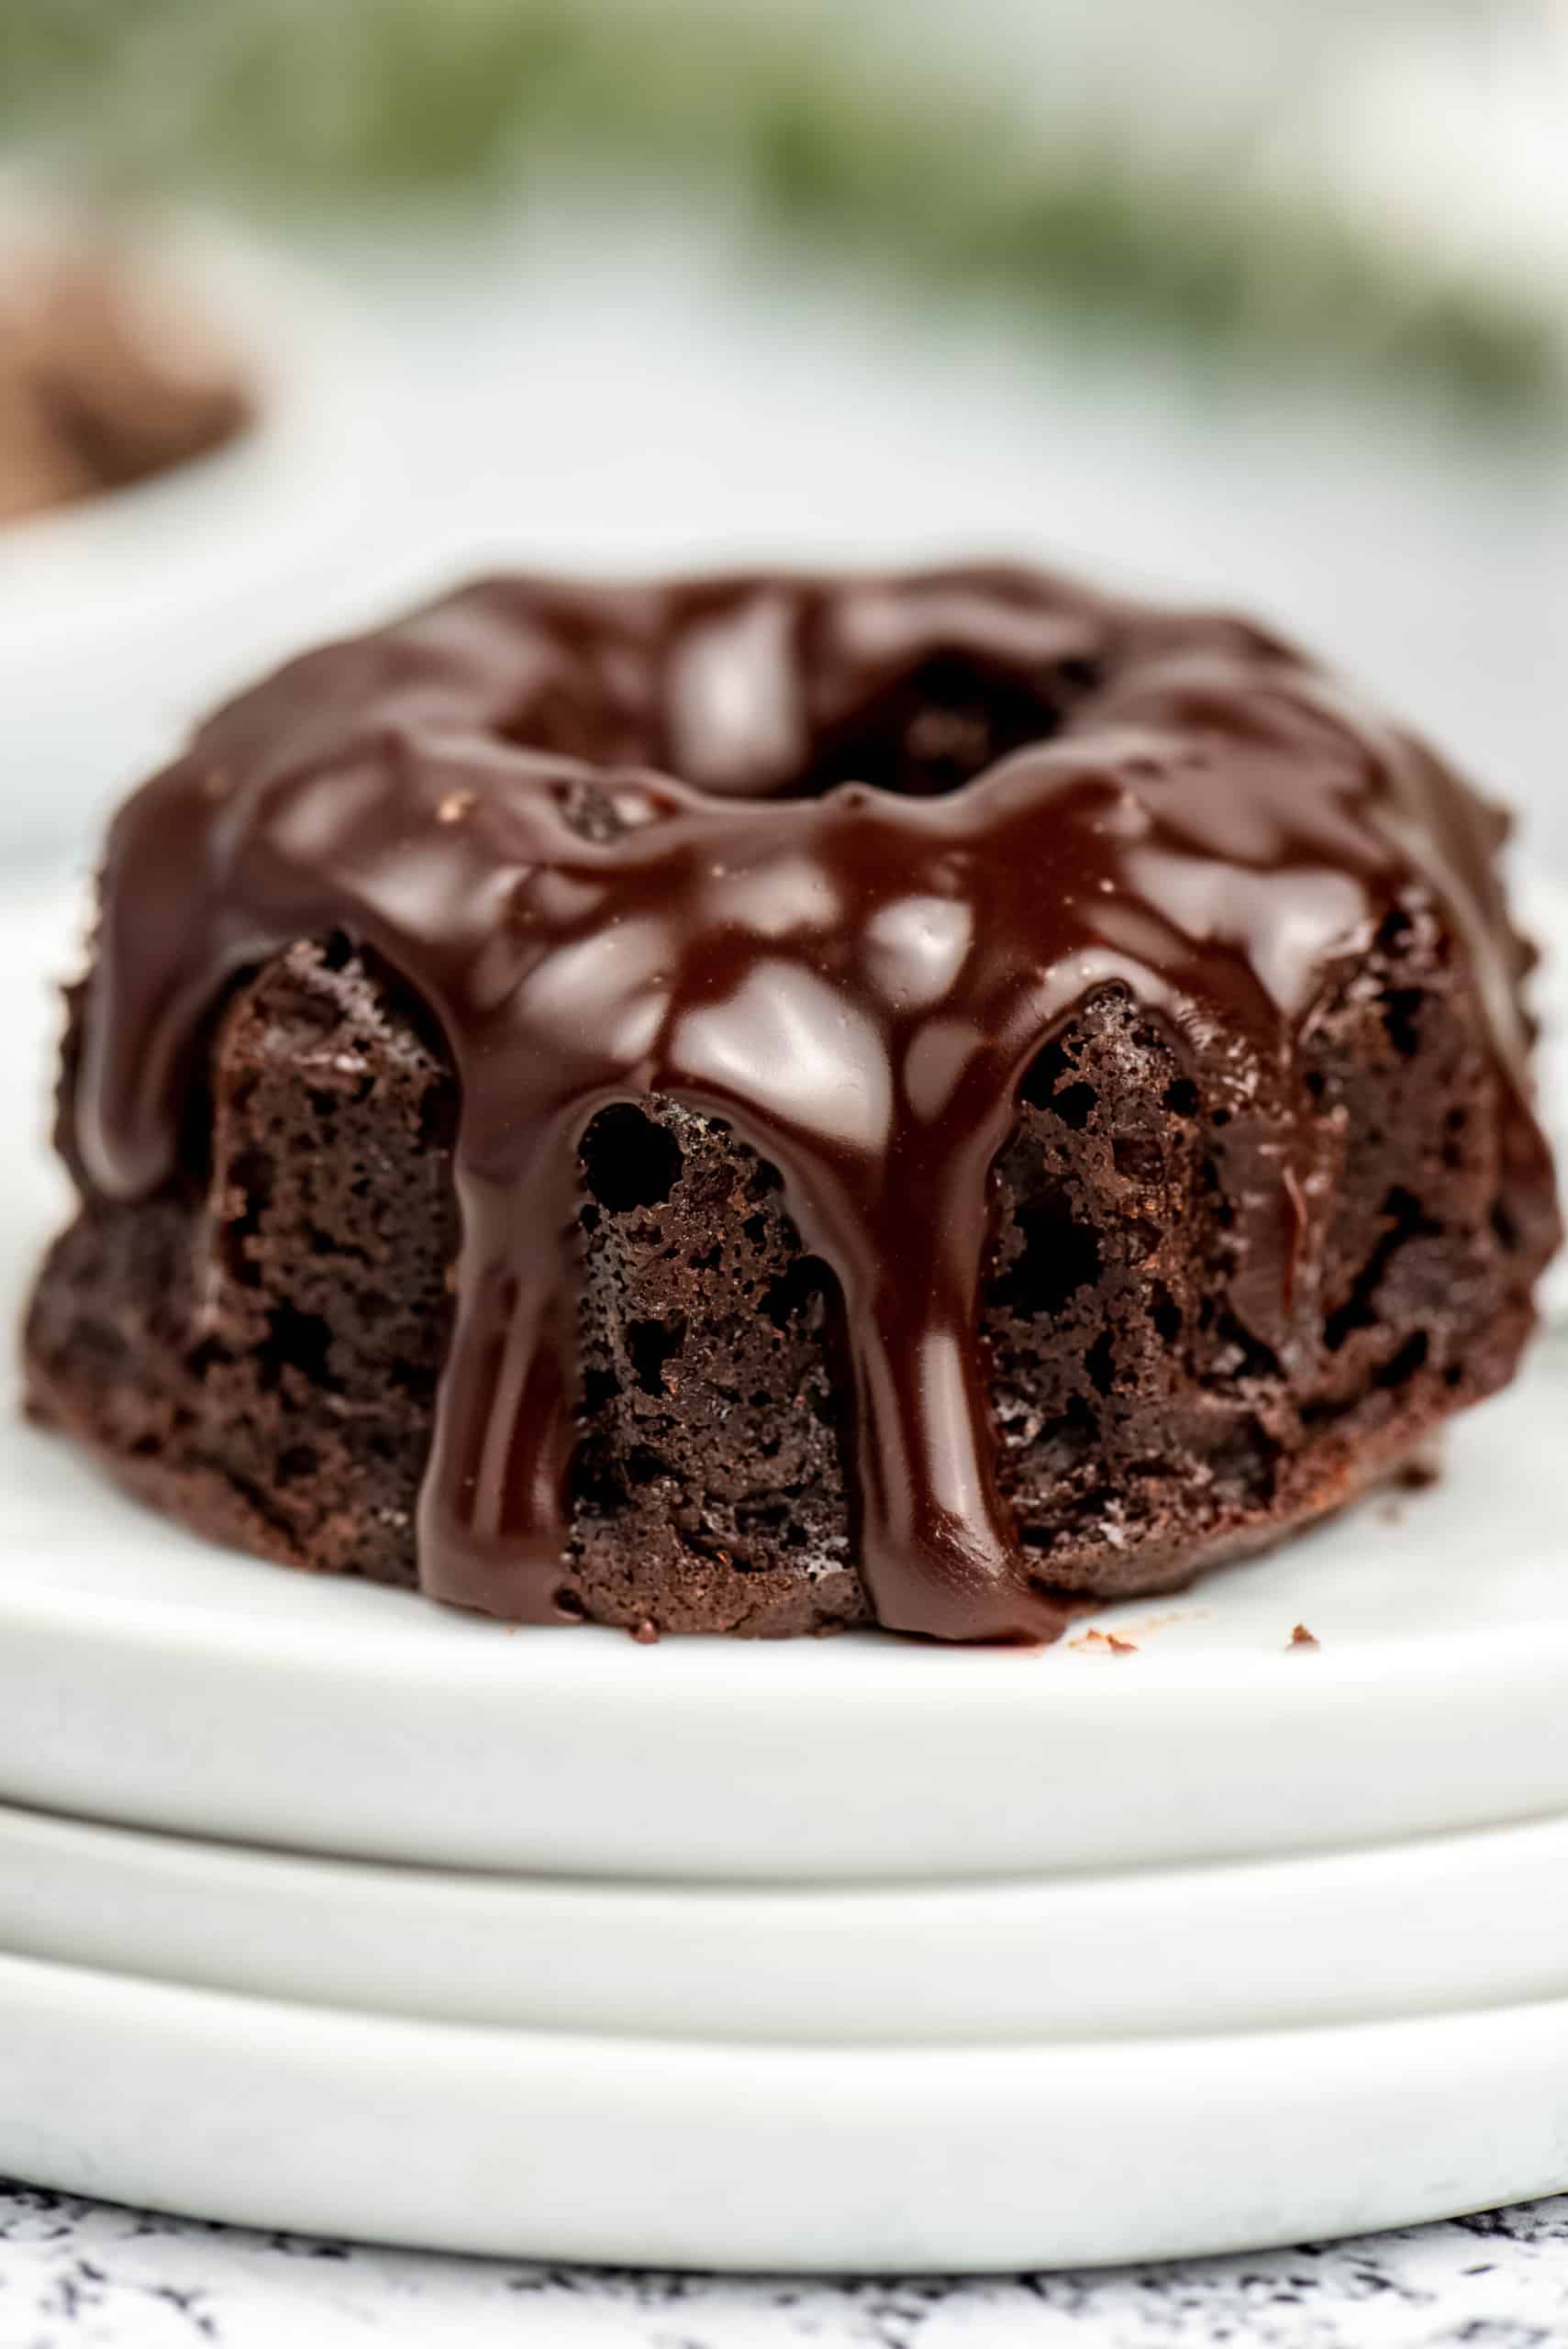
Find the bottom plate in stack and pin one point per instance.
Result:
(681, 2153)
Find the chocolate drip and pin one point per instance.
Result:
(919, 823)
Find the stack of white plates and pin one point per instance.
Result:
(322, 1909)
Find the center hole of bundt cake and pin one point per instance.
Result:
(939, 725)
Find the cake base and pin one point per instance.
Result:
(148, 1679)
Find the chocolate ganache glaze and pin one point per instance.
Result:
(832, 861)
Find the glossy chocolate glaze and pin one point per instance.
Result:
(831, 860)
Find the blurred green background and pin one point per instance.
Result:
(1256, 300)
(1180, 168)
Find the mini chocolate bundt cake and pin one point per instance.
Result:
(760, 1105)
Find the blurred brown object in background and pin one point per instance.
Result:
(104, 377)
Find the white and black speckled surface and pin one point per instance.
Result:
(78, 2275)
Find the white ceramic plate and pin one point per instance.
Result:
(147, 1678)
(1438, 1924)
(670, 2153)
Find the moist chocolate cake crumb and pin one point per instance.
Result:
(1184, 1354)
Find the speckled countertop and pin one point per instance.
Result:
(78, 2275)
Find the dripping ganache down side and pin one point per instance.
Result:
(833, 866)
